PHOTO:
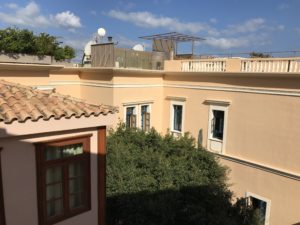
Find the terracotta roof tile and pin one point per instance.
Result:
(21, 103)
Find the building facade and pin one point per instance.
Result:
(246, 111)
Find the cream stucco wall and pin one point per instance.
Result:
(281, 191)
(263, 124)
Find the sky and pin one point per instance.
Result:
(229, 26)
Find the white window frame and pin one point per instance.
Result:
(268, 202)
(138, 110)
(172, 130)
(220, 106)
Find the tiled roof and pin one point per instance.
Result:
(21, 103)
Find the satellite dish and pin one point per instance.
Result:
(88, 48)
(101, 32)
(138, 47)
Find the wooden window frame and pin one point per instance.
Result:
(42, 165)
(2, 209)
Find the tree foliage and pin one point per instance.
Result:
(162, 180)
(259, 55)
(23, 41)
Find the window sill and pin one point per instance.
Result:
(176, 131)
(216, 139)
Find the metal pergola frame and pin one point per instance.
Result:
(176, 37)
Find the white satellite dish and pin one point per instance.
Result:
(138, 47)
(101, 32)
(88, 48)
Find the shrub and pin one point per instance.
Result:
(162, 180)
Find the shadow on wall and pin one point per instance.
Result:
(296, 223)
(194, 205)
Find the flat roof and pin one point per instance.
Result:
(174, 36)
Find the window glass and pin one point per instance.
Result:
(177, 123)
(57, 152)
(54, 208)
(76, 169)
(130, 117)
(53, 174)
(54, 191)
(218, 124)
(260, 208)
(76, 200)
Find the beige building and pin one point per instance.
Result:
(246, 111)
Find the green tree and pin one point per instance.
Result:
(259, 55)
(162, 180)
(14, 40)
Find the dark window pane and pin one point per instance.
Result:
(53, 174)
(76, 200)
(76, 185)
(53, 152)
(177, 123)
(144, 110)
(76, 169)
(54, 191)
(129, 116)
(260, 207)
(54, 208)
(218, 124)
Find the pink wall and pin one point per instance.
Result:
(19, 180)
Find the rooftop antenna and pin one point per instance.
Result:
(101, 33)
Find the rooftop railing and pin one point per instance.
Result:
(251, 65)
(204, 66)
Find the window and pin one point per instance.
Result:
(177, 122)
(138, 115)
(261, 207)
(177, 115)
(63, 178)
(131, 116)
(217, 124)
(145, 118)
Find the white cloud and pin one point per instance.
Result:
(11, 6)
(237, 42)
(147, 19)
(283, 6)
(68, 20)
(30, 15)
(93, 12)
(250, 26)
(128, 43)
(213, 20)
